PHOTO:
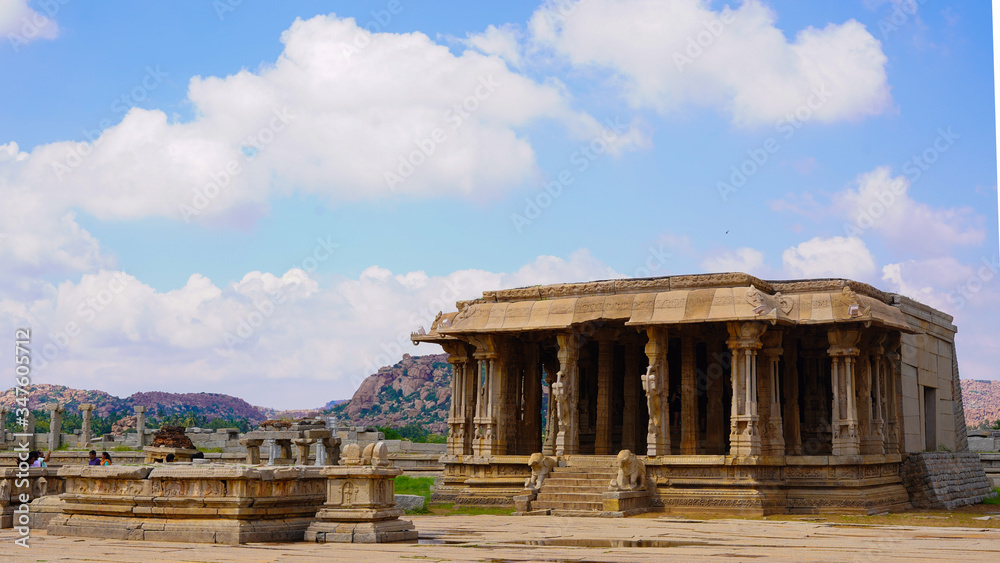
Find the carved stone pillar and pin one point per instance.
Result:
(773, 438)
(551, 412)
(568, 391)
(793, 431)
(530, 431)
(605, 359)
(29, 429)
(715, 426)
(654, 383)
(86, 409)
(631, 397)
(869, 396)
(843, 353)
(458, 418)
(253, 450)
(3, 428)
(689, 397)
(55, 425)
(284, 455)
(892, 366)
(508, 372)
(302, 446)
(331, 450)
(140, 424)
(744, 433)
(484, 443)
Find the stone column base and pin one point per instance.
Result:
(388, 529)
(196, 530)
(626, 503)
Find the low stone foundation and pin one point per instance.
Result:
(190, 503)
(945, 480)
(37, 483)
(626, 503)
(991, 465)
(361, 504)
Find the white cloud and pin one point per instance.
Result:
(275, 340)
(670, 53)
(503, 41)
(969, 291)
(336, 112)
(20, 25)
(922, 279)
(836, 257)
(881, 202)
(745, 259)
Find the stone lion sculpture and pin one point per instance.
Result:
(631, 473)
(540, 467)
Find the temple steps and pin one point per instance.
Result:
(577, 488)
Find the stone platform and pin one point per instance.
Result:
(190, 503)
(361, 505)
(508, 538)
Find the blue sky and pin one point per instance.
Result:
(354, 199)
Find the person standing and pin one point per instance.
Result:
(105, 458)
(93, 458)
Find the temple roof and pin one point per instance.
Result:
(671, 300)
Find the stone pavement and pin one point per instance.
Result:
(506, 538)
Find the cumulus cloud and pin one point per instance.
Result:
(882, 203)
(288, 340)
(745, 259)
(503, 41)
(341, 113)
(967, 290)
(666, 54)
(20, 24)
(838, 257)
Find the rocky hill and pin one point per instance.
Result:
(208, 405)
(417, 390)
(981, 400)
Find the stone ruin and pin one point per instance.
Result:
(360, 505)
(170, 440)
(280, 435)
(172, 437)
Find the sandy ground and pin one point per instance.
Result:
(542, 538)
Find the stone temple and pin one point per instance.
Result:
(737, 394)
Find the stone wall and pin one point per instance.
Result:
(991, 465)
(38, 483)
(984, 440)
(945, 480)
(928, 361)
(226, 504)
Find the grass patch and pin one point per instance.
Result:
(449, 509)
(210, 450)
(123, 449)
(406, 485)
(996, 498)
